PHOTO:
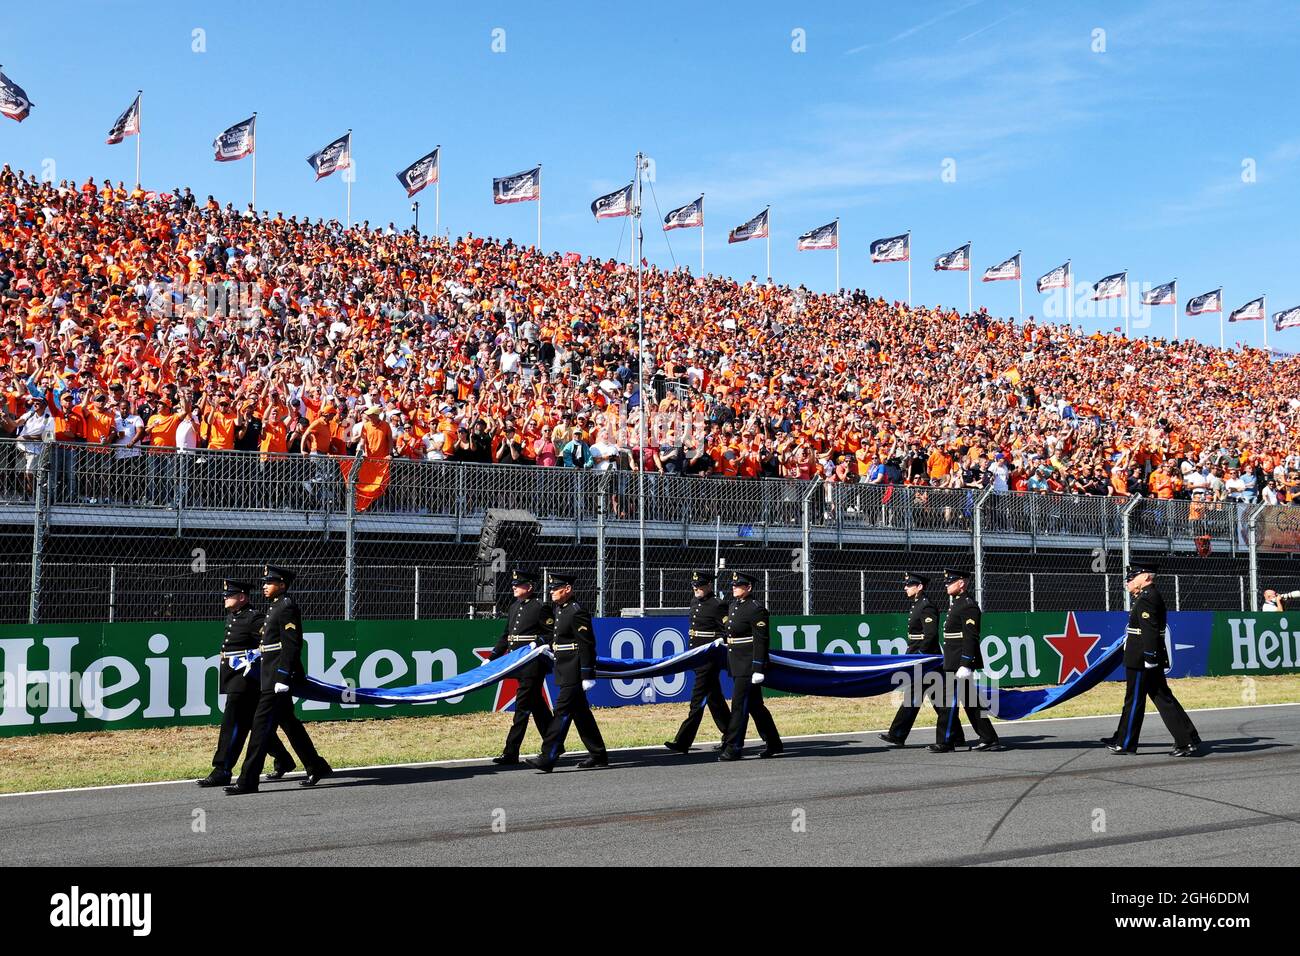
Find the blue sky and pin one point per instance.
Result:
(1128, 157)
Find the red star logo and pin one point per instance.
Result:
(506, 689)
(1073, 647)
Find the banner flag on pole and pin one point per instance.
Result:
(13, 100)
(1252, 311)
(1287, 319)
(1160, 295)
(1058, 278)
(128, 124)
(892, 249)
(237, 142)
(1209, 302)
(423, 172)
(690, 216)
(756, 228)
(823, 237)
(1111, 287)
(615, 204)
(956, 261)
(521, 187)
(329, 160)
(1003, 270)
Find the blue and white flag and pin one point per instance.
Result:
(337, 155)
(756, 228)
(690, 216)
(1003, 270)
(1111, 287)
(1160, 295)
(423, 172)
(892, 249)
(237, 142)
(1252, 311)
(521, 187)
(128, 124)
(956, 261)
(615, 204)
(1286, 320)
(13, 100)
(823, 237)
(1058, 278)
(1209, 302)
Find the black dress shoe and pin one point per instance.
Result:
(892, 741)
(1187, 750)
(537, 763)
(989, 746)
(941, 748)
(505, 760)
(1117, 749)
(238, 790)
(278, 772)
(729, 755)
(719, 746)
(773, 750)
(315, 775)
(677, 748)
(218, 778)
(591, 763)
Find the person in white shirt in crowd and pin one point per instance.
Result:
(34, 427)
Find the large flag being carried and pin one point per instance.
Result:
(237, 142)
(1058, 278)
(1209, 302)
(958, 260)
(1160, 295)
(128, 124)
(1003, 270)
(756, 228)
(423, 172)
(13, 100)
(337, 155)
(1111, 287)
(615, 204)
(521, 187)
(1287, 319)
(892, 249)
(690, 216)
(1252, 311)
(823, 237)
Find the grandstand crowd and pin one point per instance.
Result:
(146, 322)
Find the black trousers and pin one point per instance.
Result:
(1141, 684)
(954, 696)
(530, 700)
(571, 707)
(747, 699)
(907, 713)
(276, 710)
(236, 724)
(707, 691)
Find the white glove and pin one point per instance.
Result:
(247, 668)
(1151, 664)
(964, 673)
(588, 685)
(282, 688)
(756, 677)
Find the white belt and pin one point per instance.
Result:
(953, 634)
(565, 647)
(1133, 630)
(739, 640)
(268, 647)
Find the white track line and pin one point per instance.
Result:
(613, 750)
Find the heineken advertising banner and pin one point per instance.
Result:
(80, 677)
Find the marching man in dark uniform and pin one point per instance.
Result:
(922, 638)
(961, 659)
(747, 647)
(707, 613)
(529, 620)
(1145, 660)
(243, 631)
(281, 649)
(574, 644)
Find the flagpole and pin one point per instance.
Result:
(909, 270)
(437, 191)
(970, 272)
(769, 244)
(139, 132)
(640, 380)
(1222, 309)
(1263, 301)
(1069, 293)
(837, 255)
(349, 180)
(1175, 292)
(539, 208)
(701, 234)
(1125, 302)
(255, 164)
(1020, 283)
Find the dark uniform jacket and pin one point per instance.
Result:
(961, 635)
(707, 614)
(1144, 641)
(574, 644)
(529, 619)
(243, 633)
(747, 637)
(282, 664)
(923, 627)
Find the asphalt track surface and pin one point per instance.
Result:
(1056, 798)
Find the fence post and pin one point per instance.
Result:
(1252, 538)
(40, 525)
(417, 593)
(1124, 514)
(350, 540)
(1031, 592)
(460, 498)
(1107, 579)
(977, 542)
(1178, 593)
(112, 591)
(862, 592)
(806, 557)
(600, 542)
